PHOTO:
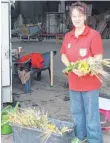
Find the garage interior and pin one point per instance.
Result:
(39, 27)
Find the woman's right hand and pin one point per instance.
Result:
(79, 73)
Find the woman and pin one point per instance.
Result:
(80, 43)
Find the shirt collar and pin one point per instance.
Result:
(85, 32)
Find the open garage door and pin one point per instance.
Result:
(5, 52)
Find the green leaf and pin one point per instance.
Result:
(6, 111)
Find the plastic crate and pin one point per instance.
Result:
(32, 135)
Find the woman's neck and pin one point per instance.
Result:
(79, 30)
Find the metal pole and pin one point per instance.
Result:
(51, 68)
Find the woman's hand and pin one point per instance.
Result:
(65, 60)
(78, 73)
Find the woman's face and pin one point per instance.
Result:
(78, 18)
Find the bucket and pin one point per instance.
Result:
(6, 128)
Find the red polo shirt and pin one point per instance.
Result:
(88, 44)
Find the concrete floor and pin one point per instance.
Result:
(50, 98)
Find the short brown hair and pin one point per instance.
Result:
(81, 6)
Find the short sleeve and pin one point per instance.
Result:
(97, 45)
(63, 47)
